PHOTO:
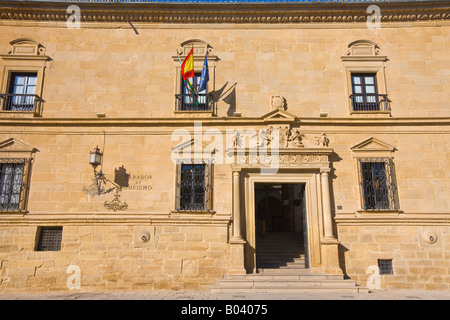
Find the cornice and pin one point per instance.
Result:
(214, 121)
(392, 219)
(238, 13)
(104, 218)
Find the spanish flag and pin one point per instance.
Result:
(187, 67)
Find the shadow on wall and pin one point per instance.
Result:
(227, 95)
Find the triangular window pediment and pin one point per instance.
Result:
(14, 145)
(193, 149)
(373, 144)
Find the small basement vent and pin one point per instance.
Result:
(385, 267)
(49, 239)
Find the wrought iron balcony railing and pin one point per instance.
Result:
(20, 102)
(187, 102)
(370, 102)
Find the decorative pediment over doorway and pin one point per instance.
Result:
(279, 116)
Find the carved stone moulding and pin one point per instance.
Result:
(191, 13)
(293, 157)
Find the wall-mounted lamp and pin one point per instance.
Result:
(96, 158)
(100, 182)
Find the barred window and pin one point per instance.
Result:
(385, 267)
(194, 186)
(378, 184)
(11, 183)
(49, 239)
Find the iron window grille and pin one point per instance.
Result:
(385, 267)
(49, 239)
(194, 186)
(12, 184)
(378, 184)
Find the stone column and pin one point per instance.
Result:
(329, 244)
(237, 233)
(327, 218)
(237, 243)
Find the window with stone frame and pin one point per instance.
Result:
(16, 158)
(194, 186)
(185, 103)
(22, 78)
(13, 184)
(378, 184)
(365, 74)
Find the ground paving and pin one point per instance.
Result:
(207, 295)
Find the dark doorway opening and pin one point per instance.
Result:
(280, 225)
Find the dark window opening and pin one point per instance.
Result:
(193, 187)
(385, 267)
(49, 239)
(11, 181)
(378, 184)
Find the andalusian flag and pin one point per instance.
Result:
(187, 67)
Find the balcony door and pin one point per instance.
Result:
(188, 102)
(365, 92)
(22, 92)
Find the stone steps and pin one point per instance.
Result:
(300, 280)
(280, 262)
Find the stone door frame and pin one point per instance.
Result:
(314, 221)
(302, 165)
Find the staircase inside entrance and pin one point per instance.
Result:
(280, 250)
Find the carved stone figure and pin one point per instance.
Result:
(237, 140)
(278, 102)
(295, 138)
(284, 137)
(322, 140)
(264, 138)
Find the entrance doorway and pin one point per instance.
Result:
(280, 215)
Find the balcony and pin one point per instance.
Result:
(370, 103)
(186, 102)
(11, 102)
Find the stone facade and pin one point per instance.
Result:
(113, 83)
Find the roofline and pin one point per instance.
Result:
(226, 2)
(248, 12)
